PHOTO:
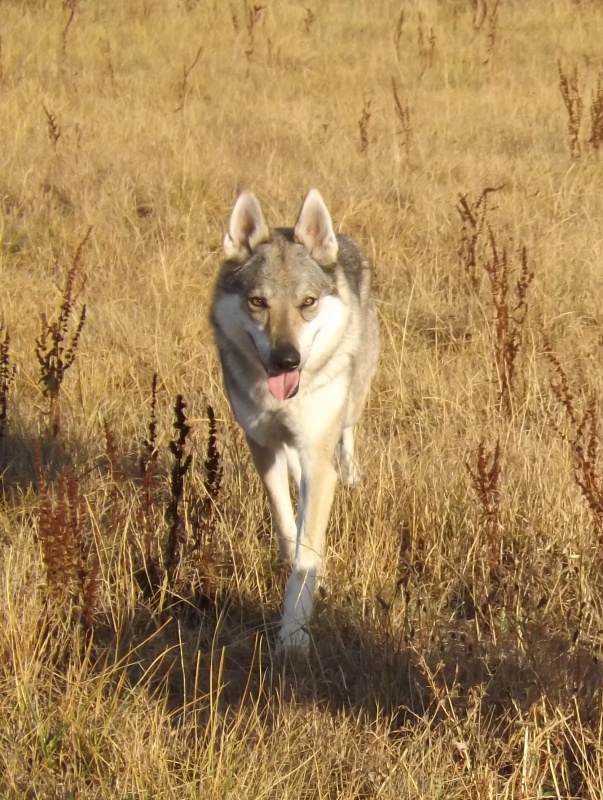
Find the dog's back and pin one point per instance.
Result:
(359, 273)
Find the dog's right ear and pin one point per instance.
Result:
(246, 228)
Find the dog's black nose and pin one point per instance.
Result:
(285, 358)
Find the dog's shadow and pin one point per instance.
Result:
(224, 650)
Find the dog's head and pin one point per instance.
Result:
(284, 283)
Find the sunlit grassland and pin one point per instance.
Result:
(457, 639)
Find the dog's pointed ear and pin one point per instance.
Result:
(314, 229)
(246, 228)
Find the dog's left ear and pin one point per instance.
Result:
(314, 229)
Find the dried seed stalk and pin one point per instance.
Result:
(363, 122)
(582, 433)
(473, 220)
(596, 114)
(180, 466)
(68, 550)
(57, 344)
(403, 114)
(398, 34)
(509, 316)
(309, 19)
(7, 376)
(426, 43)
(568, 85)
(183, 85)
(53, 128)
(486, 483)
(252, 14)
(212, 482)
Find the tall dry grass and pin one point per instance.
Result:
(457, 641)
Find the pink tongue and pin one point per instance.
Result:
(284, 385)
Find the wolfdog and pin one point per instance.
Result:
(297, 334)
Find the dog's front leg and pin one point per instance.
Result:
(317, 490)
(349, 472)
(271, 465)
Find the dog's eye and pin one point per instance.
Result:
(257, 302)
(309, 302)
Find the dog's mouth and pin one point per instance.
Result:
(284, 385)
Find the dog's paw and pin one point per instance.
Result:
(349, 474)
(292, 638)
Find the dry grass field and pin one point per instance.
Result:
(457, 641)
